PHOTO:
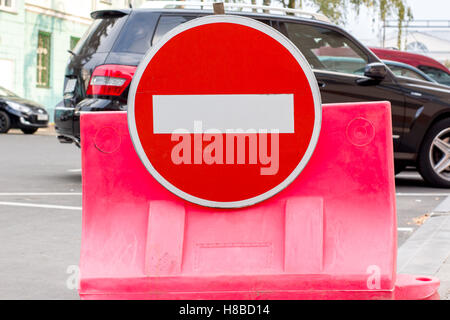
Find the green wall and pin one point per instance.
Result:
(12, 35)
(18, 42)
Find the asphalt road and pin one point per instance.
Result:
(40, 214)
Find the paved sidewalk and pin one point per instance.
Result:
(427, 251)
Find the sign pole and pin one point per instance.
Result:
(218, 8)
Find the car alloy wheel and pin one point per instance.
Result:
(434, 156)
(439, 154)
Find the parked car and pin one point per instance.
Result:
(17, 112)
(401, 69)
(350, 64)
(100, 70)
(428, 65)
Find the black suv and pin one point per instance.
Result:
(102, 65)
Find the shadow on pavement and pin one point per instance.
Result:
(74, 177)
(410, 181)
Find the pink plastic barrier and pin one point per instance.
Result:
(331, 234)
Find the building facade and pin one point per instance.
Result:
(432, 43)
(34, 38)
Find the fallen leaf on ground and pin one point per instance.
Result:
(420, 220)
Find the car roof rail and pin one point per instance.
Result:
(227, 5)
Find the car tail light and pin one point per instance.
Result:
(110, 80)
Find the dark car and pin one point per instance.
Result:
(100, 70)
(351, 63)
(17, 112)
(401, 69)
(431, 67)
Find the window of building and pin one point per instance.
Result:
(7, 76)
(8, 5)
(43, 60)
(73, 42)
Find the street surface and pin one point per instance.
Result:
(40, 214)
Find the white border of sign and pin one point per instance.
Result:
(273, 34)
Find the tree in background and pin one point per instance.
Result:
(336, 10)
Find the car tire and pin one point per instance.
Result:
(434, 155)
(5, 122)
(29, 130)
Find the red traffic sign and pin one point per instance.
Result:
(224, 111)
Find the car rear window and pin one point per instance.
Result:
(167, 23)
(144, 29)
(140, 30)
(100, 36)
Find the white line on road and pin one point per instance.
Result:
(40, 193)
(405, 229)
(403, 194)
(74, 170)
(36, 205)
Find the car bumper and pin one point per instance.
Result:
(64, 118)
(32, 121)
(67, 119)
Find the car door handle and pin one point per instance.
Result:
(321, 84)
(416, 94)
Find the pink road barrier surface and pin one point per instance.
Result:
(330, 234)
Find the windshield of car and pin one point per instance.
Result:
(6, 93)
(437, 74)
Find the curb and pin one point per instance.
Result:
(443, 207)
(427, 251)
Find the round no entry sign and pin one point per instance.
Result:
(224, 111)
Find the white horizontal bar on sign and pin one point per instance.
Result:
(223, 112)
